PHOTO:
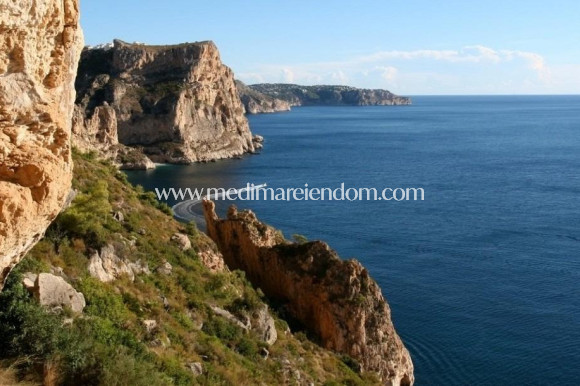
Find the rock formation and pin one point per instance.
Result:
(297, 95)
(40, 43)
(54, 292)
(335, 299)
(179, 103)
(260, 322)
(107, 265)
(257, 103)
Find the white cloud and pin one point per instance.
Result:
(287, 75)
(388, 73)
(251, 77)
(339, 77)
(469, 69)
(535, 62)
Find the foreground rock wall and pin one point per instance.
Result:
(179, 103)
(335, 299)
(40, 43)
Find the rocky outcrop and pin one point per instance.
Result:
(297, 95)
(259, 321)
(212, 259)
(334, 299)
(263, 324)
(256, 102)
(182, 241)
(40, 42)
(179, 103)
(54, 292)
(107, 265)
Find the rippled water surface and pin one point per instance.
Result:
(483, 277)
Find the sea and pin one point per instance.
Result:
(483, 275)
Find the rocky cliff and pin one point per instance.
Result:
(40, 43)
(179, 103)
(335, 299)
(297, 95)
(257, 103)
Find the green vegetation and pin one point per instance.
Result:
(110, 344)
(299, 239)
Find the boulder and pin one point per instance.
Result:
(263, 324)
(182, 241)
(196, 368)
(165, 269)
(54, 292)
(150, 325)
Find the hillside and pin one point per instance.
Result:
(324, 95)
(256, 102)
(155, 313)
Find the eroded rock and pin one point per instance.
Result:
(333, 298)
(182, 241)
(256, 102)
(40, 43)
(263, 324)
(107, 265)
(54, 292)
(178, 103)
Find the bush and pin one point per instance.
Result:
(89, 217)
(102, 301)
(299, 239)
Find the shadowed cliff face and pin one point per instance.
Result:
(333, 298)
(179, 102)
(257, 103)
(40, 43)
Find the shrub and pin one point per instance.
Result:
(89, 216)
(299, 239)
(102, 301)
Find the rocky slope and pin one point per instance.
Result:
(179, 103)
(118, 292)
(40, 43)
(297, 95)
(333, 298)
(257, 103)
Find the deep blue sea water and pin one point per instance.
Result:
(483, 277)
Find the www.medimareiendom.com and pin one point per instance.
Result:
(252, 192)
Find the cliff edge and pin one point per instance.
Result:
(178, 103)
(333, 298)
(256, 102)
(324, 95)
(40, 43)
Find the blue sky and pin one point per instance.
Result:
(411, 47)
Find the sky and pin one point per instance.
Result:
(412, 47)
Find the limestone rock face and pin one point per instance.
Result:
(263, 324)
(53, 291)
(40, 43)
(107, 265)
(256, 102)
(179, 103)
(333, 298)
(99, 132)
